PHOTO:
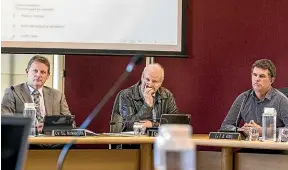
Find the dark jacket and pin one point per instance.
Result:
(129, 107)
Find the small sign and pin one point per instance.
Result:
(225, 135)
(153, 132)
(73, 132)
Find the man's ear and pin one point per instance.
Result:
(272, 80)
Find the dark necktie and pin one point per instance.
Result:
(36, 96)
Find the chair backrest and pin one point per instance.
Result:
(116, 116)
(14, 141)
(284, 91)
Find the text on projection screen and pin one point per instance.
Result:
(153, 25)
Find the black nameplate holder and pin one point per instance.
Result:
(152, 132)
(226, 135)
(72, 132)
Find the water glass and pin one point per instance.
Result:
(32, 115)
(253, 134)
(282, 135)
(138, 129)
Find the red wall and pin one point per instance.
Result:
(224, 37)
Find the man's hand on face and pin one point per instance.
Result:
(146, 123)
(148, 98)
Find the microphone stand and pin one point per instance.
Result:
(246, 96)
(135, 60)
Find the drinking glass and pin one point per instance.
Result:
(253, 134)
(282, 135)
(137, 127)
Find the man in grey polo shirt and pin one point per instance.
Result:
(249, 105)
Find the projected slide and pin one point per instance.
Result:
(149, 25)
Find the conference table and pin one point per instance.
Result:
(135, 159)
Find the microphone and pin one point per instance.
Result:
(134, 61)
(13, 90)
(154, 114)
(241, 109)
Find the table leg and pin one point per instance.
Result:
(145, 156)
(227, 159)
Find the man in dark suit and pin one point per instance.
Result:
(49, 101)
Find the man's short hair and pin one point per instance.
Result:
(266, 64)
(40, 59)
(154, 65)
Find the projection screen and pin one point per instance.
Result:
(153, 27)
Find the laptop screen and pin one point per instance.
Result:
(14, 137)
(59, 122)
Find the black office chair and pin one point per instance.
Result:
(284, 91)
(115, 117)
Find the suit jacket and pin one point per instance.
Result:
(13, 100)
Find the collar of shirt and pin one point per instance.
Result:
(268, 95)
(32, 89)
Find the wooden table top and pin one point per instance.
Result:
(198, 139)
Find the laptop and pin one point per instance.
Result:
(59, 122)
(175, 119)
(169, 119)
(14, 139)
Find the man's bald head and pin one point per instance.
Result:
(155, 69)
(152, 77)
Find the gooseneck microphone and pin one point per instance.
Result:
(134, 61)
(154, 114)
(13, 90)
(241, 109)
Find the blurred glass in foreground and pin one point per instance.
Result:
(174, 149)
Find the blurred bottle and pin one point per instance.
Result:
(30, 111)
(174, 149)
(269, 124)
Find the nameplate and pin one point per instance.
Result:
(153, 132)
(72, 132)
(225, 135)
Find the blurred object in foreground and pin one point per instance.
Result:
(174, 148)
(14, 137)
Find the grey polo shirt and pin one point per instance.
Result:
(253, 108)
